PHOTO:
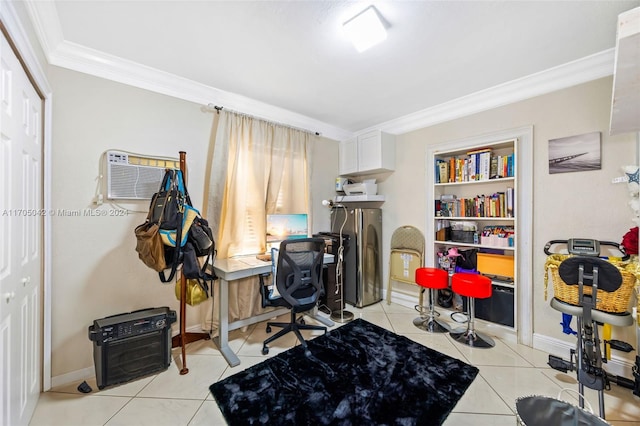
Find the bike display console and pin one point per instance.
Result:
(583, 247)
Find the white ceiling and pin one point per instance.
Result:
(289, 61)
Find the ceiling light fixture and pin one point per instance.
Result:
(366, 29)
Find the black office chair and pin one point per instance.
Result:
(298, 281)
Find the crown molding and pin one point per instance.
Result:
(90, 61)
(580, 71)
(80, 58)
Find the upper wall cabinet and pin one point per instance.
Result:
(371, 152)
(625, 108)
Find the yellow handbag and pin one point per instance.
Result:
(195, 293)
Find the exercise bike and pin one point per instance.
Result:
(592, 275)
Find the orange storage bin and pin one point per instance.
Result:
(496, 265)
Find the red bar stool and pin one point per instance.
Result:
(432, 279)
(474, 286)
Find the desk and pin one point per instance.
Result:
(235, 269)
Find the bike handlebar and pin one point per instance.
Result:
(618, 247)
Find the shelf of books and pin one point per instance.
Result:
(499, 204)
(476, 165)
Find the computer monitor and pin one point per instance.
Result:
(286, 226)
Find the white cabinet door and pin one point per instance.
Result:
(348, 156)
(21, 241)
(369, 151)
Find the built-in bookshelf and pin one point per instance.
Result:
(474, 197)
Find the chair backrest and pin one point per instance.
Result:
(407, 237)
(299, 273)
(608, 277)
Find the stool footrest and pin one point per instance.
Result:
(425, 312)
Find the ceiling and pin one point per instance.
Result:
(288, 60)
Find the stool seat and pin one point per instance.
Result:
(473, 286)
(432, 278)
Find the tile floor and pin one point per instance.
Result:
(507, 371)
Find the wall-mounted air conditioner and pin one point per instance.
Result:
(135, 177)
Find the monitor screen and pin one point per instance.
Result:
(286, 226)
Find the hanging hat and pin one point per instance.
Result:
(453, 252)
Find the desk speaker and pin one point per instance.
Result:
(131, 345)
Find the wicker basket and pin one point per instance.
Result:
(615, 302)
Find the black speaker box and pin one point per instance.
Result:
(131, 345)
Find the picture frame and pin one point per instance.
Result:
(575, 153)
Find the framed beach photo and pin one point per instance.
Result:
(575, 153)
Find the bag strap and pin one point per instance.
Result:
(176, 253)
(174, 179)
(178, 250)
(202, 282)
(182, 187)
(166, 181)
(169, 176)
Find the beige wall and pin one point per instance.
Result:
(581, 204)
(95, 268)
(96, 271)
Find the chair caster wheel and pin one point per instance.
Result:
(268, 329)
(265, 350)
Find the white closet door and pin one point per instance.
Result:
(21, 219)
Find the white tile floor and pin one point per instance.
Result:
(507, 371)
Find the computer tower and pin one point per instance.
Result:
(332, 298)
(131, 345)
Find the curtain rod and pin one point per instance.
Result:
(217, 109)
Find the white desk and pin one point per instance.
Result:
(235, 269)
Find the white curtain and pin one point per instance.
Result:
(255, 168)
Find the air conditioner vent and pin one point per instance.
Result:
(133, 177)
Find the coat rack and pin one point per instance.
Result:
(184, 338)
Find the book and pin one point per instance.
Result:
(479, 150)
(493, 170)
(452, 169)
(510, 195)
(444, 172)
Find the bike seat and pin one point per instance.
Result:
(621, 320)
(609, 277)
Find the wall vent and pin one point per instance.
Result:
(135, 177)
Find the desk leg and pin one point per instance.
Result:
(222, 340)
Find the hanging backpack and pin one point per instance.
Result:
(182, 233)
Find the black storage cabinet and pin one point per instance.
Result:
(498, 308)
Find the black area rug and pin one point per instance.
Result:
(357, 374)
